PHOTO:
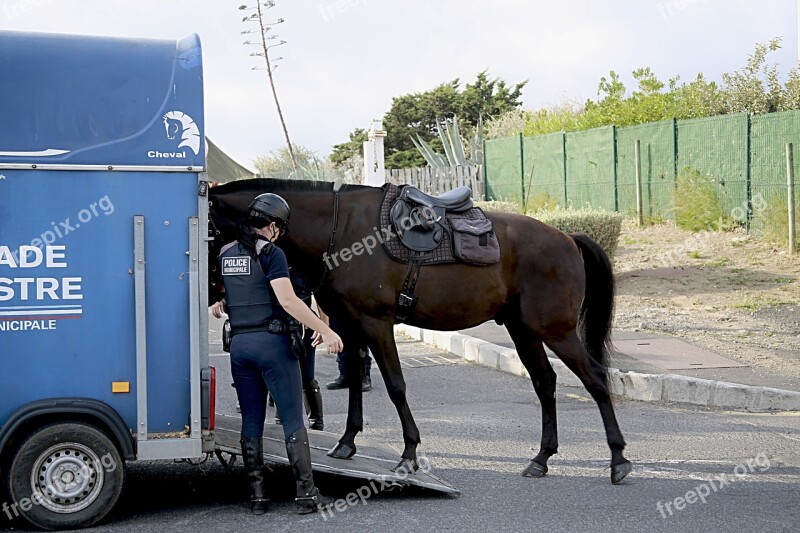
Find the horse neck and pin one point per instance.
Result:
(357, 213)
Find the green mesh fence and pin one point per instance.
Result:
(503, 170)
(768, 137)
(590, 168)
(543, 167)
(717, 147)
(657, 145)
(602, 174)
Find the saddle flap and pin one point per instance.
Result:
(416, 231)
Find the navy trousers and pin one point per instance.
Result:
(264, 361)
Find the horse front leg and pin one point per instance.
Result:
(381, 341)
(346, 447)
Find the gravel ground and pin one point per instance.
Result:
(728, 292)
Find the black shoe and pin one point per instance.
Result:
(308, 497)
(366, 384)
(338, 383)
(253, 458)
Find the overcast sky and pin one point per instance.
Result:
(346, 59)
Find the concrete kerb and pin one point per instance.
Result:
(630, 385)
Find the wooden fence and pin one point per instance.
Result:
(439, 180)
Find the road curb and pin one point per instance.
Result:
(630, 385)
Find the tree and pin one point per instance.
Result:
(281, 162)
(419, 113)
(344, 152)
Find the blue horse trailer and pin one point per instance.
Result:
(103, 315)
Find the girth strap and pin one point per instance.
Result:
(407, 297)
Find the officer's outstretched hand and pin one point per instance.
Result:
(331, 340)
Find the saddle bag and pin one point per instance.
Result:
(474, 241)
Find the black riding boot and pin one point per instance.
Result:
(314, 405)
(253, 457)
(308, 498)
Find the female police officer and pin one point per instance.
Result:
(259, 300)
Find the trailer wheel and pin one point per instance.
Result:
(65, 475)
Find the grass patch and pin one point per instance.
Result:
(694, 254)
(697, 205)
(755, 303)
(773, 222)
(716, 263)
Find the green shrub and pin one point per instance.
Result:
(494, 205)
(540, 201)
(602, 226)
(697, 205)
(773, 222)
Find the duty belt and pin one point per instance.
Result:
(279, 326)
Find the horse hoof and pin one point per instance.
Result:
(618, 472)
(534, 469)
(406, 465)
(342, 451)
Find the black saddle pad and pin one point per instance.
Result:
(397, 251)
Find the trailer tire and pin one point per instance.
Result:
(65, 475)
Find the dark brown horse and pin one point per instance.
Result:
(549, 288)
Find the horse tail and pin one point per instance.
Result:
(597, 309)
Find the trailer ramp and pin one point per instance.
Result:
(373, 461)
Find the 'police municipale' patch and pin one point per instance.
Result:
(235, 266)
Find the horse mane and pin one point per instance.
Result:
(278, 185)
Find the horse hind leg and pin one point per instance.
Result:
(593, 376)
(531, 353)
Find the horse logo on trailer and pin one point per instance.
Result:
(179, 123)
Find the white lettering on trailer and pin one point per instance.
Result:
(53, 288)
(28, 325)
(155, 154)
(53, 292)
(20, 258)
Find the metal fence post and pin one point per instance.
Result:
(485, 175)
(790, 190)
(748, 177)
(564, 145)
(616, 173)
(522, 174)
(637, 155)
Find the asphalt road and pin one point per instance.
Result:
(478, 427)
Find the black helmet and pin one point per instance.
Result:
(270, 206)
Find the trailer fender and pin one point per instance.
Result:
(100, 413)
